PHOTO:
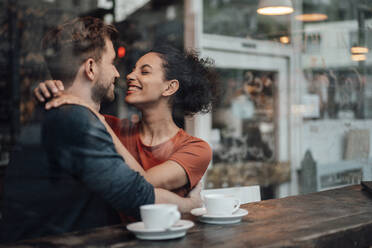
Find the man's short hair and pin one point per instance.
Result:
(69, 45)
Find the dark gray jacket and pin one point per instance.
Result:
(73, 179)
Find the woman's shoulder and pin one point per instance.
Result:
(185, 139)
(120, 124)
(192, 153)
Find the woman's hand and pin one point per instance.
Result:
(55, 89)
(65, 99)
(195, 195)
(71, 99)
(48, 89)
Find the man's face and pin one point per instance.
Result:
(104, 86)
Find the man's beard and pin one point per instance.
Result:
(101, 93)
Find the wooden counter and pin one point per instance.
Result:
(334, 218)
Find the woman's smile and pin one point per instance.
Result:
(132, 88)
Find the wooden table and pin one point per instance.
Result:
(334, 218)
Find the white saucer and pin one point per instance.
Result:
(176, 231)
(202, 215)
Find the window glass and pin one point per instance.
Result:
(243, 130)
(320, 108)
(294, 113)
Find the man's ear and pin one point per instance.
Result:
(90, 69)
(172, 88)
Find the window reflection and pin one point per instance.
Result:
(266, 118)
(239, 18)
(243, 126)
(328, 96)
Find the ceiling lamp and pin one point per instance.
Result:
(284, 39)
(311, 17)
(358, 53)
(274, 7)
(358, 57)
(359, 49)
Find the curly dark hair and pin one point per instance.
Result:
(197, 79)
(67, 46)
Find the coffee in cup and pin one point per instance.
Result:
(159, 216)
(220, 204)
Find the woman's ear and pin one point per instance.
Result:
(90, 69)
(172, 88)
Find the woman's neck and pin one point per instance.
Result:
(157, 127)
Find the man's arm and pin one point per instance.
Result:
(184, 204)
(78, 142)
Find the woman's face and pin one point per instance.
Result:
(146, 83)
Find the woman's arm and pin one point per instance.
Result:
(168, 175)
(185, 205)
(122, 150)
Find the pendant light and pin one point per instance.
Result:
(358, 53)
(359, 49)
(312, 11)
(312, 17)
(284, 39)
(274, 7)
(358, 57)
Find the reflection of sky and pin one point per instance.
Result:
(127, 7)
(123, 8)
(238, 18)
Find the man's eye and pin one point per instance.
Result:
(145, 72)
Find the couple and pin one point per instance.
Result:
(75, 178)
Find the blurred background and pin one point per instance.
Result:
(295, 111)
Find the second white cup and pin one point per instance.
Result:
(159, 216)
(219, 204)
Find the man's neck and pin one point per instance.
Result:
(83, 91)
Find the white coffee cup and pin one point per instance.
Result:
(159, 216)
(219, 204)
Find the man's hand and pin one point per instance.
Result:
(48, 89)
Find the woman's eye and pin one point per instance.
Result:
(144, 72)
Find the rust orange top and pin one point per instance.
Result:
(192, 153)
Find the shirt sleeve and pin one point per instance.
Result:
(79, 143)
(194, 156)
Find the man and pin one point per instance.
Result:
(74, 179)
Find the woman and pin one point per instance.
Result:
(163, 82)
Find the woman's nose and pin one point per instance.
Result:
(130, 76)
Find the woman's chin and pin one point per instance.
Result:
(129, 100)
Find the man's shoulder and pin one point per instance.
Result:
(70, 113)
(72, 117)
